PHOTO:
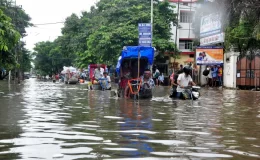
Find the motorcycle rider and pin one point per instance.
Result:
(173, 92)
(184, 80)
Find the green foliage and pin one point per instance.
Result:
(13, 21)
(8, 35)
(19, 18)
(48, 58)
(99, 36)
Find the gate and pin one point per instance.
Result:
(248, 72)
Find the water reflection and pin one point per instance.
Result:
(137, 118)
(43, 120)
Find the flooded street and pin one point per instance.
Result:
(43, 120)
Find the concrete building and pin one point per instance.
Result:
(184, 34)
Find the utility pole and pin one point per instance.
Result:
(152, 19)
(176, 32)
(151, 67)
(16, 48)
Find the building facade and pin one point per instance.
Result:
(183, 35)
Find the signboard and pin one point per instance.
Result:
(209, 55)
(218, 38)
(210, 25)
(211, 30)
(145, 34)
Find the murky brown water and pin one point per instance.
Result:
(42, 120)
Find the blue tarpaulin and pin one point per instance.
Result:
(132, 52)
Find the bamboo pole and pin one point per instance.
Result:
(138, 75)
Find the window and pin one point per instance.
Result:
(186, 16)
(185, 44)
(185, 4)
(250, 74)
(191, 55)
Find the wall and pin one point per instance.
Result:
(183, 57)
(185, 30)
(202, 78)
(230, 69)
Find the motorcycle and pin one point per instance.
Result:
(189, 92)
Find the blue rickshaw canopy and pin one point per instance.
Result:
(132, 52)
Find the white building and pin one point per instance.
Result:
(184, 33)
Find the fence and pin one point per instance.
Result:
(248, 72)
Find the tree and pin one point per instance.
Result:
(8, 35)
(99, 36)
(117, 21)
(8, 39)
(48, 58)
(19, 20)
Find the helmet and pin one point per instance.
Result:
(187, 70)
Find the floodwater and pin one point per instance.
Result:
(43, 120)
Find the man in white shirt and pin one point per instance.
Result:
(102, 70)
(98, 72)
(184, 80)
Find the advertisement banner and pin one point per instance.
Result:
(209, 55)
(210, 25)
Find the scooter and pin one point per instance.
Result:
(190, 92)
(195, 92)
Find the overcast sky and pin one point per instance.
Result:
(50, 11)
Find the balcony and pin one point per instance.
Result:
(186, 46)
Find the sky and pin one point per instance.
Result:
(50, 11)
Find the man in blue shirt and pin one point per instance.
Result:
(214, 75)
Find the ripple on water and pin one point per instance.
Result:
(27, 141)
(113, 117)
(148, 158)
(166, 142)
(77, 150)
(128, 131)
(166, 154)
(243, 153)
(209, 155)
(87, 125)
(120, 149)
(58, 156)
(190, 132)
(78, 137)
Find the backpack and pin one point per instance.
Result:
(205, 72)
(157, 74)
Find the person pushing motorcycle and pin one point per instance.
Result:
(183, 81)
